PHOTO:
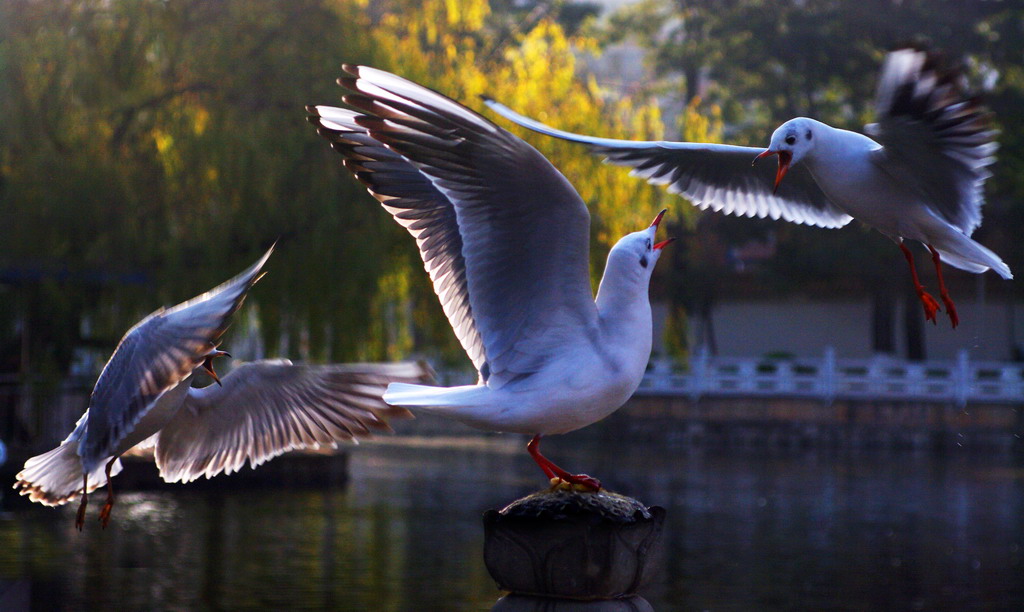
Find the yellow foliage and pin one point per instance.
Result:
(535, 73)
(200, 119)
(699, 127)
(442, 44)
(163, 141)
(392, 340)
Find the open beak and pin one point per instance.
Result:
(208, 364)
(655, 224)
(657, 220)
(784, 158)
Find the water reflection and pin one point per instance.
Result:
(745, 530)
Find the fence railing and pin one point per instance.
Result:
(959, 381)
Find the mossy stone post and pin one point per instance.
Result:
(562, 549)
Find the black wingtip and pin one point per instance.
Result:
(486, 99)
(348, 83)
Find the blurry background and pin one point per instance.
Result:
(151, 149)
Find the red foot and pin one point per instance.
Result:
(553, 471)
(107, 507)
(105, 514)
(80, 517)
(954, 318)
(581, 480)
(930, 305)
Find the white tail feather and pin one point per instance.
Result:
(469, 404)
(959, 251)
(55, 477)
(423, 396)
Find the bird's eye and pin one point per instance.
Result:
(791, 139)
(643, 261)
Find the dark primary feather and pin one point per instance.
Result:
(154, 356)
(266, 408)
(715, 176)
(524, 229)
(417, 205)
(936, 137)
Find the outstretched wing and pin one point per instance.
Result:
(715, 176)
(522, 266)
(156, 355)
(416, 205)
(935, 137)
(267, 408)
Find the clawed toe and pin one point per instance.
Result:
(105, 514)
(954, 318)
(80, 517)
(587, 483)
(576, 482)
(931, 306)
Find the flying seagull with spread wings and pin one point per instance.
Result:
(918, 177)
(505, 239)
(144, 397)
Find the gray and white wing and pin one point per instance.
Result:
(935, 136)
(267, 408)
(156, 355)
(416, 205)
(523, 263)
(712, 176)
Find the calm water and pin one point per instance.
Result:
(746, 530)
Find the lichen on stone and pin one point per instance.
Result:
(564, 504)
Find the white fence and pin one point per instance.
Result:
(961, 381)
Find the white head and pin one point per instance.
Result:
(792, 141)
(631, 262)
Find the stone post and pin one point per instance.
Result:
(562, 549)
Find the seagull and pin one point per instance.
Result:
(919, 176)
(505, 239)
(144, 399)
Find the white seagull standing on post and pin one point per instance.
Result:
(505, 239)
(144, 398)
(919, 178)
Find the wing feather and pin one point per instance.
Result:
(523, 230)
(154, 356)
(414, 202)
(267, 408)
(935, 136)
(712, 176)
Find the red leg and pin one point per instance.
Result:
(948, 301)
(541, 460)
(553, 471)
(80, 517)
(929, 303)
(107, 507)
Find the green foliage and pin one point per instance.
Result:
(152, 149)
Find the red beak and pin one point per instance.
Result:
(655, 224)
(657, 220)
(784, 158)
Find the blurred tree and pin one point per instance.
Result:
(151, 149)
(164, 143)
